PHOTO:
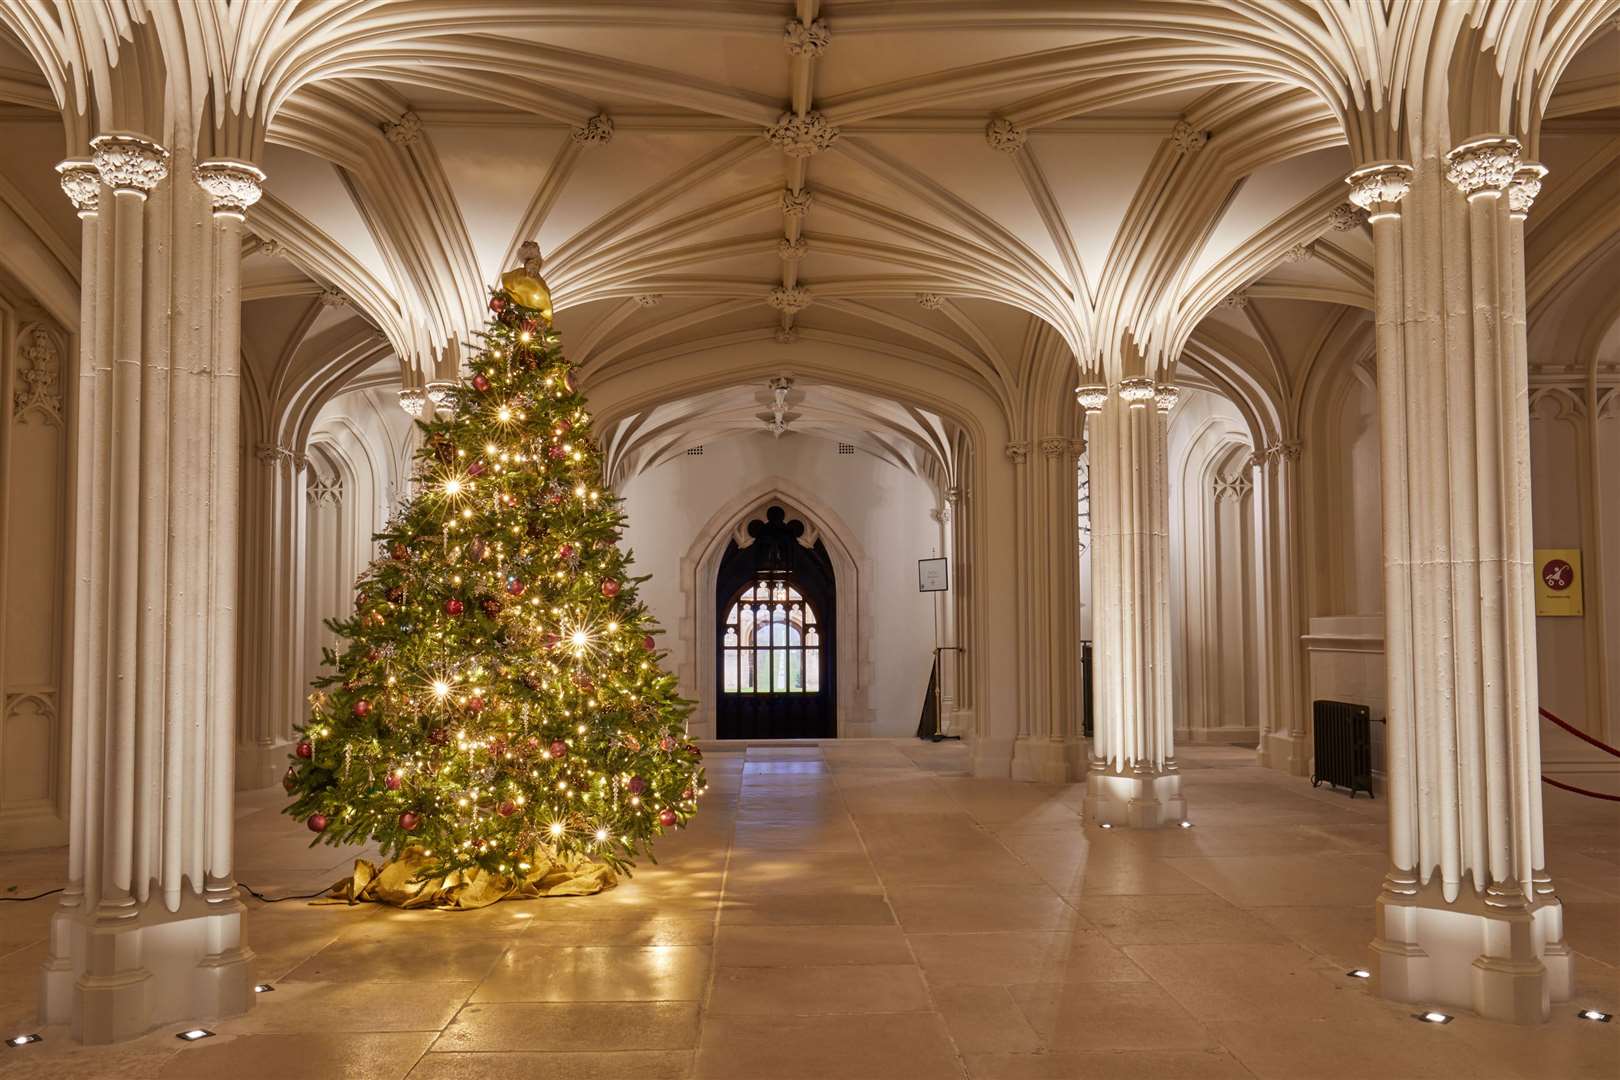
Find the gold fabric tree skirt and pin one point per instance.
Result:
(403, 882)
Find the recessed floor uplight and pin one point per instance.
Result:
(1359, 973)
(1105, 825)
(1432, 1017)
(24, 1040)
(194, 1034)
(1584, 1014)
(263, 988)
(1186, 824)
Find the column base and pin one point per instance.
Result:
(111, 979)
(1494, 953)
(261, 765)
(1140, 798)
(1048, 761)
(992, 758)
(1285, 752)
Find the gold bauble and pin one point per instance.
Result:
(529, 290)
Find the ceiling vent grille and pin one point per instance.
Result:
(694, 451)
(845, 448)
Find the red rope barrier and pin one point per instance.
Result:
(1583, 736)
(1580, 790)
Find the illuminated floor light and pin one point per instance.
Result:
(1584, 1014)
(1359, 973)
(24, 1040)
(194, 1034)
(1432, 1017)
(263, 988)
(1186, 824)
(1105, 825)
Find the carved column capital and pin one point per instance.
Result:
(1525, 187)
(412, 400)
(1346, 216)
(81, 183)
(1165, 397)
(801, 136)
(1136, 390)
(232, 186)
(1091, 398)
(1056, 446)
(1483, 165)
(792, 250)
(1017, 452)
(129, 163)
(1378, 188)
(1004, 135)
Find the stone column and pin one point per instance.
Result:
(1133, 778)
(1467, 915)
(1050, 747)
(149, 929)
(1283, 741)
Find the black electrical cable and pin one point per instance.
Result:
(36, 896)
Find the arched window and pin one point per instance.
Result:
(772, 641)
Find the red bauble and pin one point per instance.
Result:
(610, 587)
(439, 736)
(317, 823)
(476, 469)
(475, 704)
(564, 427)
(478, 549)
(549, 640)
(648, 643)
(409, 821)
(555, 452)
(666, 818)
(362, 707)
(636, 785)
(480, 383)
(289, 779)
(305, 750)
(392, 782)
(582, 680)
(565, 552)
(555, 498)
(688, 794)
(507, 808)
(497, 304)
(559, 749)
(666, 744)
(395, 594)
(515, 587)
(400, 552)
(492, 606)
(453, 606)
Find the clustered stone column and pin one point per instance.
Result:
(1133, 778)
(1467, 915)
(149, 927)
(1283, 743)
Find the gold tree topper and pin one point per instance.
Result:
(524, 283)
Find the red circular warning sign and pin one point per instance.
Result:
(1557, 575)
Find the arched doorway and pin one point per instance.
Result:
(776, 639)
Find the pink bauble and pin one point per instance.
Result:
(555, 452)
(409, 821)
(507, 808)
(475, 704)
(476, 469)
(566, 551)
(667, 744)
(392, 782)
(317, 823)
(559, 749)
(636, 785)
(648, 643)
(515, 587)
(362, 707)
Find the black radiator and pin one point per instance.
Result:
(1343, 745)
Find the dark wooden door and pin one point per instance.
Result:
(776, 600)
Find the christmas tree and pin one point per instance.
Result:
(499, 696)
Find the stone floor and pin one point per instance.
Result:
(866, 910)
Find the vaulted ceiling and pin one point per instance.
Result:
(973, 187)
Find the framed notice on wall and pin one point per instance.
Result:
(933, 575)
(1558, 581)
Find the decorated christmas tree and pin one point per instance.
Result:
(499, 701)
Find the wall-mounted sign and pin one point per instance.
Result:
(933, 575)
(1558, 581)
